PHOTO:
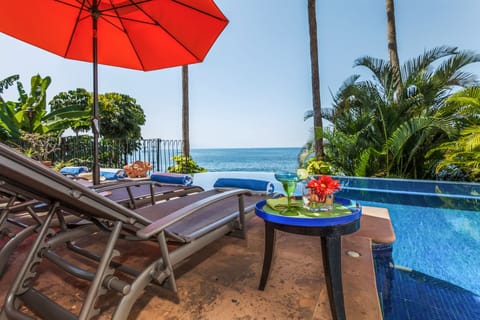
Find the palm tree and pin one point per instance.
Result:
(392, 45)
(317, 109)
(391, 135)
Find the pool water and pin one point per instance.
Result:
(442, 243)
(432, 270)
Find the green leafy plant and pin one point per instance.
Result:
(185, 165)
(318, 167)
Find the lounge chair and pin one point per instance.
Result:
(191, 222)
(136, 194)
(133, 194)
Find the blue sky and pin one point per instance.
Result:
(254, 88)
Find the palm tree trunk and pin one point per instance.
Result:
(392, 46)
(317, 108)
(185, 113)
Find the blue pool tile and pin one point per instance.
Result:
(415, 296)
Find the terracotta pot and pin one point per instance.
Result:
(46, 163)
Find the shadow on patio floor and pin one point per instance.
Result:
(221, 281)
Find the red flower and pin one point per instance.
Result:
(324, 185)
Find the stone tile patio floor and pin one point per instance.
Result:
(221, 281)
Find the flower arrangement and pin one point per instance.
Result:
(322, 187)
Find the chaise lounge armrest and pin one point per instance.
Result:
(161, 224)
(126, 184)
(136, 194)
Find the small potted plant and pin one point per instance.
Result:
(318, 193)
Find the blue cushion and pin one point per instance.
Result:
(173, 178)
(112, 174)
(251, 184)
(73, 170)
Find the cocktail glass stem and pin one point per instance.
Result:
(289, 185)
(289, 182)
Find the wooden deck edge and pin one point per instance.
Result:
(375, 224)
(358, 271)
(360, 288)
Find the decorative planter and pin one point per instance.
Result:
(46, 163)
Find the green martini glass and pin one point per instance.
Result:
(289, 182)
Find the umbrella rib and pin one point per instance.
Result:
(126, 4)
(155, 22)
(198, 10)
(81, 6)
(129, 39)
(84, 5)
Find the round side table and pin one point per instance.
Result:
(329, 229)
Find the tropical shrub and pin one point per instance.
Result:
(318, 167)
(460, 158)
(381, 131)
(29, 113)
(185, 165)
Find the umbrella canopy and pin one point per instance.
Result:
(135, 34)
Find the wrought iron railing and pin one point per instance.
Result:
(115, 153)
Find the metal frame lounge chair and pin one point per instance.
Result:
(133, 194)
(191, 222)
(136, 193)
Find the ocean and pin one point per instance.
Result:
(247, 159)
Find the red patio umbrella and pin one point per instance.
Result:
(136, 34)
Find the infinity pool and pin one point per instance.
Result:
(442, 243)
(437, 224)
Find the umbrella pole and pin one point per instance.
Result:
(95, 120)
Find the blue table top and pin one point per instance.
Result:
(324, 220)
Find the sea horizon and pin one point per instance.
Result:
(245, 147)
(254, 159)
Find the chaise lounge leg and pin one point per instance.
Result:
(12, 244)
(103, 271)
(24, 280)
(241, 221)
(3, 218)
(159, 271)
(166, 261)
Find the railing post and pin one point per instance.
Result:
(125, 152)
(159, 141)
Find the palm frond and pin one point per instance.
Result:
(412, 127)
(413, 67)
(362, 164)
(308, 115)
(450, 73)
